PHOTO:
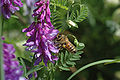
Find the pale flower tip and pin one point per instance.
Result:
(22, 78)
(7, 17)
(24, 30)
(28, 34)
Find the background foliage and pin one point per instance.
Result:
(99, 31)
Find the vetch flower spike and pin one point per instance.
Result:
(11, 66)
(9, 6)
(41, 34)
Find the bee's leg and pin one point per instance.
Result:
(64, 45)
(58, 46)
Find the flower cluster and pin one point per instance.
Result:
(11, 67)
(41, 34)
(8, 6)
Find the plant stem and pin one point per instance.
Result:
(1, 53)
(87, 66)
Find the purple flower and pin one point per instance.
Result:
(11, 67)
(41, 34)
(32, 74)
(8, 6)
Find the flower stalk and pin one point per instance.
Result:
(1, 53)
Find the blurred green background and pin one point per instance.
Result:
(100, 33)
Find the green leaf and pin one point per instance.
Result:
(76, 41)
(79, 12)
(62, 58)
(73, 15)
(63, 68)
(26, 62)
(13, 16)
(87, 66)
(35, 68)
(79, 52)
(74, 59)
(80, 46)
(70, 63)
(65, 65)
(43, 74)
(60, 5)
(66, 55)
(82, 14)
(23, 64)
(67, 59)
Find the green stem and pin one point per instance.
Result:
(89, 65)
(1, 53)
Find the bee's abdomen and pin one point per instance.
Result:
(70, 47)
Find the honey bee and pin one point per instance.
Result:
(61, 41)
